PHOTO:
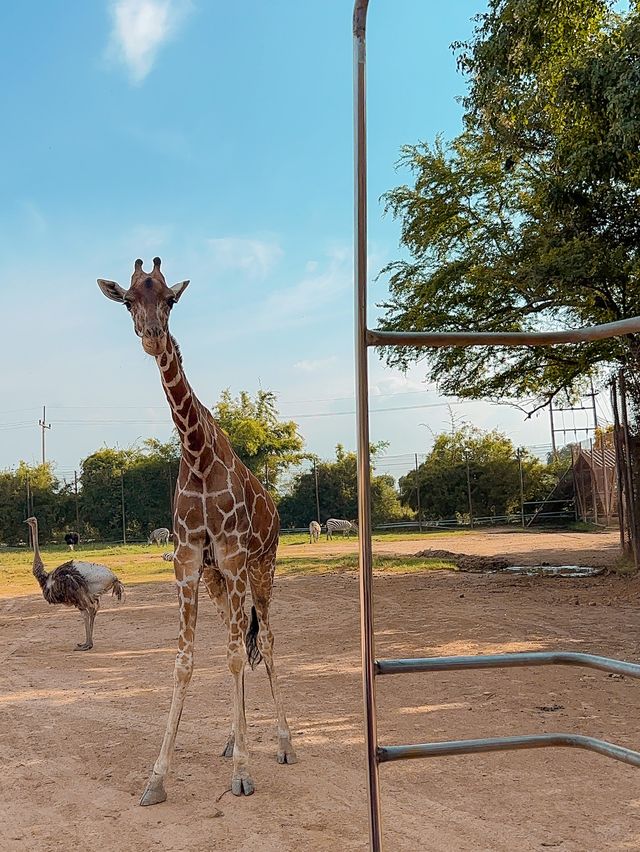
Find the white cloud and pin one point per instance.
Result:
(315, 365)
(140, 28)
(254, 258)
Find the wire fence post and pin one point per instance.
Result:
(124, 520)
(471, 523)
(315, 478)
(521, 476)
(418, 494)
(75, 491)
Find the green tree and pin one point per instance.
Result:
(266, 444)
(48, 498)
(338, 493)
(494, 476)
(529, 219)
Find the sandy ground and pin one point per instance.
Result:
(79, 731)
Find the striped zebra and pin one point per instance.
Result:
(334, 525)
(168, 557)
(314, 531)
(159, 536)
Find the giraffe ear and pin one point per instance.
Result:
(111, 290)
(178, 289)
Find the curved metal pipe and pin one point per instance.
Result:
(435, 339)
(496, 661)
(409, 752)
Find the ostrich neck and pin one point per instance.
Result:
(38, 566)
(188, 413)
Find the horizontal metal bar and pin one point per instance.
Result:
(377, 337)
(408, 752)
(495, 661)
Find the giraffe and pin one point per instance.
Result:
(226, 529)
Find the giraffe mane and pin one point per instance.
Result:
(177, 349)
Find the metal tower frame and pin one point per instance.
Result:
(365, 338)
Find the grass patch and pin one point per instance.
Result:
(293, 565)
(288, 539)
(142, 563)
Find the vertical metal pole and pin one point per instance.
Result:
(418, 495)
(124, 521)
(365, 556)
(469, 495)
(75, 488)
(594, 483)
(632, 506)
(575, 485)
(29, 509)
(619, 465)
(605, 484)
(519, 454)
(553, 431)
(315, 477)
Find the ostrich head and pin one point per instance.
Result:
(149, 301)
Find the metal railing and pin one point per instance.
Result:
(365, 338)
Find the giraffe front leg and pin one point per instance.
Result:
(236, 585)
(187, 576)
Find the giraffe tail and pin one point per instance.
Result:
(251, 640)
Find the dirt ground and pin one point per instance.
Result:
(79, 731)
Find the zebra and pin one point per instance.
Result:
(159, 536)
(168, 557)
(334, 524)
(314, 531)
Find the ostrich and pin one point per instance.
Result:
(71, 539)
(75, 583)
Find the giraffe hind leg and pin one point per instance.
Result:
(217, 591)
(262, 596)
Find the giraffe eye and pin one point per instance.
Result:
(128, 305)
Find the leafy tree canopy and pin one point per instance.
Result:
(337, 492)
(493, 475)
(266, 444)
(530, 218)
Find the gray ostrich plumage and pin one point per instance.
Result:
(75, 583)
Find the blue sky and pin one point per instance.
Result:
(219, 136)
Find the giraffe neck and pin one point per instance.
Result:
(38, 567)
(189, 415)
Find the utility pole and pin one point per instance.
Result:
(75, 488)
(315, 477)
(44, 425)
(418, 495)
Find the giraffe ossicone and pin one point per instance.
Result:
(226, 529)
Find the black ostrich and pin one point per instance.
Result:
(75, 583)
(71, 539)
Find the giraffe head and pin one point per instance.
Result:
(149, 301)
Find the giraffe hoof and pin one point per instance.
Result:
(227, 751)
(83, 646)
(242, 785)
(286, 754)
(154, 792)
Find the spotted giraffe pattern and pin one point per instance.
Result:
(226, 530)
